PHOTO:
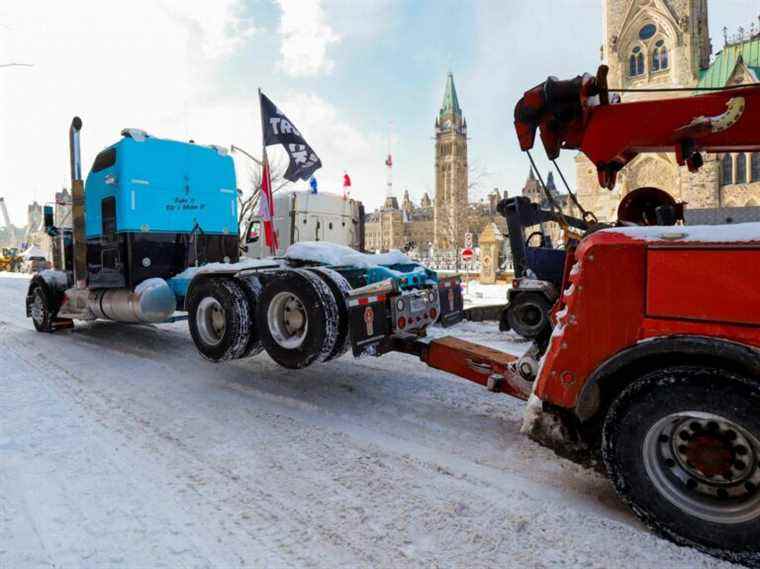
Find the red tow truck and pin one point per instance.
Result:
(652, 370)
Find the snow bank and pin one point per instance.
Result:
(9, 275)
(478, 294)
(190, 272)
(341, 255)
(731, 233)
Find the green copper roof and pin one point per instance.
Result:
(450, 99)
(720, 70)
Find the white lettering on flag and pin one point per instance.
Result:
(282, 126)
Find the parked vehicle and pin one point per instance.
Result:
(305, 216)
(159, 233)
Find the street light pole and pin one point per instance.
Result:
(233, 148)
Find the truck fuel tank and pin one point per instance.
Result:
(151, 301)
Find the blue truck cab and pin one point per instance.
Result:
(159, 232)
(154, 207)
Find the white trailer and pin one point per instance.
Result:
(304, 216)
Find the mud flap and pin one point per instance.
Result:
(369, 324)
(452, 302)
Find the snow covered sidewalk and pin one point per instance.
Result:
(121, 448)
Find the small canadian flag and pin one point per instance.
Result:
(346, 184)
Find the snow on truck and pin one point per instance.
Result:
(155, 230)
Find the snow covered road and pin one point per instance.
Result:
(121, 447)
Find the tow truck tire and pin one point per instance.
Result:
(219, 317)
(340, 289)
(528, 314)
(682, 447)
(297, 317)
(42, 310)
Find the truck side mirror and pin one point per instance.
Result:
(253, 233)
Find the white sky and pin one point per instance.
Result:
(340, 69)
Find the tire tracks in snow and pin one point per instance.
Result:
(312, 491)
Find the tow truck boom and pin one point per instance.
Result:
(579, 114)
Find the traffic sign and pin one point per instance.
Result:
(467, 254)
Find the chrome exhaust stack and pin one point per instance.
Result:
(152, 301)
(77, 195)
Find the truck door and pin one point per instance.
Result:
(111, 272)
(316, 230)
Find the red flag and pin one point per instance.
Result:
(266, 206)
(346, 185)
(389, 161)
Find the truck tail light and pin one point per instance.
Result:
(401, 323)
(433, 313)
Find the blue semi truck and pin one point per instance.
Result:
(155, 232)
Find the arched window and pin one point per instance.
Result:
(636, 62)
(727, 170)
(664, 58)
(755, 167)
(741, 168)
(660, 59)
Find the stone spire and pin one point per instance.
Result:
(450, 100)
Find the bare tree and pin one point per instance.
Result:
(248, 199)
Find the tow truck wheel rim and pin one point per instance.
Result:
(212, 321)
(288, 320)
(706, 465)
(529, 315)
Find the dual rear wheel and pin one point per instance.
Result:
(300, 316)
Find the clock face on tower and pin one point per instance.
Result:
(447, 124)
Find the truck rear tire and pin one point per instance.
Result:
(42, 310)
(252, 287)
(682, 447)
(340, 289)
(528, 314)
(297, 317)
(219, 317)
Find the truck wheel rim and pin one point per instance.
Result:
(38, 308)
(287, 320)
(706, 465)
(212, 321)
(529, 315)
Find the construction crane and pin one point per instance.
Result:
(7, 221)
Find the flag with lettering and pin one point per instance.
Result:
(278, 129)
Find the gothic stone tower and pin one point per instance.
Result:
(651, 43)
(451, 199)
(655, 42)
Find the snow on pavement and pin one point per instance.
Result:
(121, 447)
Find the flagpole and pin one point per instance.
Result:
(265, 172)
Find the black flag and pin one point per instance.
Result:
(278, 129)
